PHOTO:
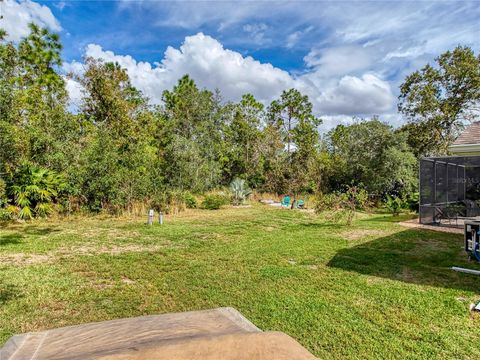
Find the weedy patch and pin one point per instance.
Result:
(358, 234)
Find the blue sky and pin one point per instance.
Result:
(133, 28)
(348, 56)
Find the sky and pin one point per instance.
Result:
(349, 57)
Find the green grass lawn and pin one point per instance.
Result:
(375, 290)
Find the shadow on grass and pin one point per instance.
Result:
(412, 256)
(389, 218)
(8, 292)
(17, 237)
(10, 239)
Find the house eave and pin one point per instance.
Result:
(464, 148)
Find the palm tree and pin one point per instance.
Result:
(34, 190)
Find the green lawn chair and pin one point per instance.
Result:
(285, 201)
(300, 204)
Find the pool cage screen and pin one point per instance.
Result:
(449, 190)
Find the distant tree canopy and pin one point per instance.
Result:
(372, 154)
(118, 149)
(438, 100)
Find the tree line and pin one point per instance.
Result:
(118, 148)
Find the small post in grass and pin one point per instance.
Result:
(150, 217)
(160, 217)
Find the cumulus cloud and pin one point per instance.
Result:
(17, 16)
(209, 63)
(212, 66)
(205, 60)
(353, 95)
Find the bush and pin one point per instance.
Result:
(8, 213)
(168, 202)
(214, 201)
(34, 190)
(394, 204)
(342, 206)
(190, 200)
(412, 201)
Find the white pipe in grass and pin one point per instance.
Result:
(468, 271)
(150, 217)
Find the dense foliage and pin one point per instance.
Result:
(372, 155)
(117, 149)
(438, 100)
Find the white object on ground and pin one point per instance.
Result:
(468, 271)
(277, 204)
(267, 201)
(474, 307)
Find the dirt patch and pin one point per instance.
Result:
(126, 280)
(269, 228)
(362, 233)
(21, 259)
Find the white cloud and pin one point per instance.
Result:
(256, 32)
(295, 37)
(60, 5)
(17, 16)
(75, 92)
(212, 66)
(340, 60)
(365, 95)
(206, 61)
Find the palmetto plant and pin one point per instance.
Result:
(240, 191)
(34, 190)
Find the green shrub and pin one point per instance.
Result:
(34, 191)
(190, 200)
(214, 201)
(412, 201)
(394, 204)
(8, 213)
(342, 206)
(168, 202)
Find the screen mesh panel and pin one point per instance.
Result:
(449, 189)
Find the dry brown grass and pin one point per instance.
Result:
(363, 233)
(22, 259)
